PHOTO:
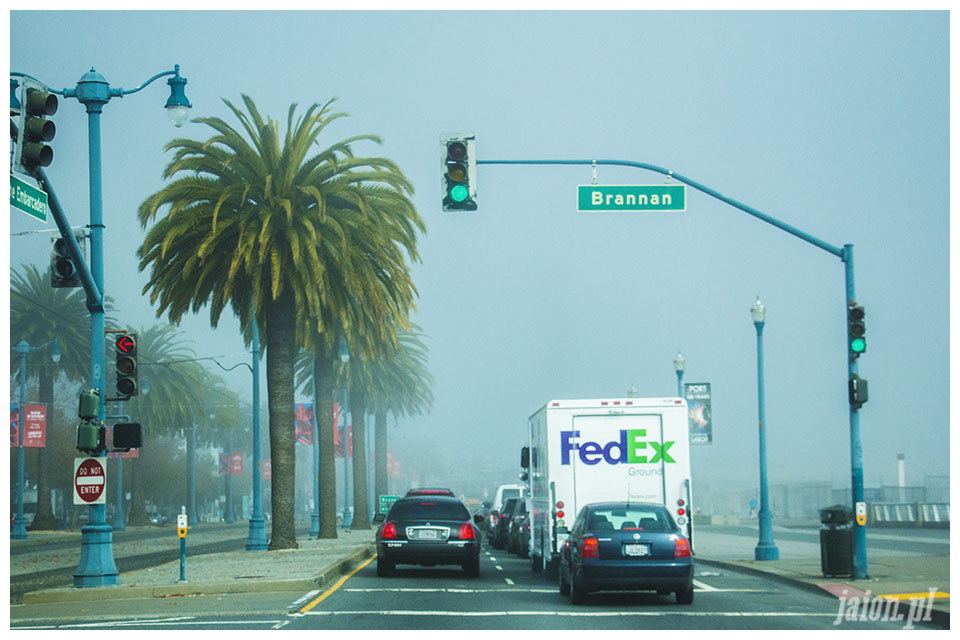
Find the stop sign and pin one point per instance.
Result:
(89, 481)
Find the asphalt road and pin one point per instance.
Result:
(507, 595)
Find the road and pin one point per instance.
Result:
(507, 595)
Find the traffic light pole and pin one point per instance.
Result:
(845, 254)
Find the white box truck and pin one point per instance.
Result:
(583, 451)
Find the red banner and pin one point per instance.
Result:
(35, 418)
(394, 468)
(304, 422)
(265, 469)
(236, 464)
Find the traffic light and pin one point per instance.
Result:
(35, 130)
(89, 404)
(127, 435)
(63, 271)
(91, 438)
(859, 392)
(126, 365)
(459, 166)
(856, 330)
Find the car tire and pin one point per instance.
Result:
(578, 594)
(564, 585)
(685, 595)
(384, 567)
(471, 566)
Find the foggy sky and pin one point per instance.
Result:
(835, 123)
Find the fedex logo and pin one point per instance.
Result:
(629, 449)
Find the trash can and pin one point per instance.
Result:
(836, 541)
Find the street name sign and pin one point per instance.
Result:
(631, 197)
(89, 481)
(27, 198)
(386, 502)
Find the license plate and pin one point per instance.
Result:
(636, 549)
(428, 533)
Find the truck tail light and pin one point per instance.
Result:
(590, 548)
(389, 531)
(681, 548)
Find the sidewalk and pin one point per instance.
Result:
(891, 574)
(315, 564)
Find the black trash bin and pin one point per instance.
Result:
(836, 541)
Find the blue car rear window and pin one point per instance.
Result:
(437, 509)
(628, 519)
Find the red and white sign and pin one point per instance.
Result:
(265, 469)
(35, 417)
(236, 464)
(89, 481)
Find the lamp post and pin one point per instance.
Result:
(256, 536)
(346, 521)
(228, 517)
(97, 567)
(23, 348)
(678, 364)
(766, 549)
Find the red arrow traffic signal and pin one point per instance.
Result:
(126, 344)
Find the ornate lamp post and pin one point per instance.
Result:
(766, 549)
(678, 364)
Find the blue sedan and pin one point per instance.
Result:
(626, 545)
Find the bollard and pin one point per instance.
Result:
(182, 532)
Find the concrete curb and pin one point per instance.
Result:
(939, 618)
(328, 575)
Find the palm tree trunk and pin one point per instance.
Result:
(361, 513)
(281, 358)
(323, 414)
(380, 453)
(44, 518)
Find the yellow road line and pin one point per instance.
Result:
(336, 585)
(913, 596)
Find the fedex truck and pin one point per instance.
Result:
(583, 451)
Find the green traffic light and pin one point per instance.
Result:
(858, 345)
(458, 193)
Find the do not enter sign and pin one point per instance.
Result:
(89, 481)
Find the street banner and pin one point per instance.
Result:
(303, 413)
(34, 425)
(338, 441)
(236, 464)
(394, 468)
(14, 425)
(265, 469)
(224, 464)
(700, 413)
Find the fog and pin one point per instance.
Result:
(835, 123)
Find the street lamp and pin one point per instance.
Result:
(97, 567)
(346, 521)
(23, 348)
(766, 549)
(678, 364)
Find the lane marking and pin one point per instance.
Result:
(703, 586)
(153, 623)
(588, 614)
(499, 568)
(509, 581)
(445, 590)
(913, 596)
(304, 597)
(336, 585)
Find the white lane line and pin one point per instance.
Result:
(307, 596)
(499, 568)
(492, 558)
(703, 586)
(591, 614)
(509, 581)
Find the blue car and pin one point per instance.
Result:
(626, 545)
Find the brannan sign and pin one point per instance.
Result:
(636, 197)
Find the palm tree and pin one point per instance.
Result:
(305, 241)
(400, 384)
(40, 314)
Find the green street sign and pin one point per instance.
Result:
(386, 502)
(632, 197)
(29, 199)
